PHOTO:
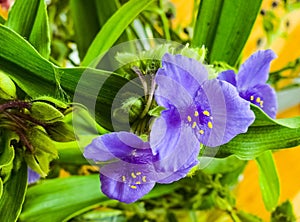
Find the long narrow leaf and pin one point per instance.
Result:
(268, 180)
(13, 195)
(224, 27)
(32, 25)
(113, 29)
(264, 134)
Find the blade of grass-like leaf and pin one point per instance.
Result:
(54, 200)
(268, 180)
(2, 20)
(113, 29)
(13, 195)
(60, 199)
(29, 18)
(264, 134)
(224, 27)
(86, 24)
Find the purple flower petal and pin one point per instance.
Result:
(228, 76)
(115, 146)
(263, 96)
(122, 191)
(230, 114)
(255, 70)
(189, 73)
(32, 176)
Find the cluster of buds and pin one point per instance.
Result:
(33, 127)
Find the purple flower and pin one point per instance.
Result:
(198, 110)
(130, 170)
(251, 81)
(32, 176)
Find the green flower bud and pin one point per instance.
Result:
(50, 100)
(60, 132)
(41, 142)
(45, 112)
(130, 110)
(7, 87)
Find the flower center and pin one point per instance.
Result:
(200, 120)
(257, 101)
(134, 179)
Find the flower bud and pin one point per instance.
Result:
(45, 112)
(7, 87)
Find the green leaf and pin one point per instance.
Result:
(29, 18)
(224, 27)
(284, 213)
(37, 77)
(7, 154)
(113, 29)
(264, 134)
(83, 13)
(58, 200)
(1, 188)
(268, 180)
(2, 20)
(13, 195)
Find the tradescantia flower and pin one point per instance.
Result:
(130, 169)
(197, 109)
(251, 81)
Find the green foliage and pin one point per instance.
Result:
(32, 25)
(224, 25)
(264, 134)
(283, 213)
(268, 180)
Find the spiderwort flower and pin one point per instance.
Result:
(130, 170)
(251, 81)
(206, 111)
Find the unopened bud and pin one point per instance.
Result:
(7, 87)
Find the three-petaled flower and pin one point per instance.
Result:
(251, 81)
(197, 109)
(131, 170)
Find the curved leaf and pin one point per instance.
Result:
(268, 180)
(264, 134)
(112, 30)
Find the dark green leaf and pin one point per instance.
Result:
(113, 29)
(2, 20)
(29, 19)
(284, 213)
(268, 180)
(86, 24)
(264, 134)
(13, 195)
(224, 27)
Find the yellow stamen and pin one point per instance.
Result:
(201, 132)
(258, 99)
(123, 178)
(133, 175)
(251, 98)
(196, 113)
(144, 179)
(261, 104)
(138, 182)
(210, 125)
(189, 118)
(133, 187)
(194, 125)
(206, 113)
(138, 173)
